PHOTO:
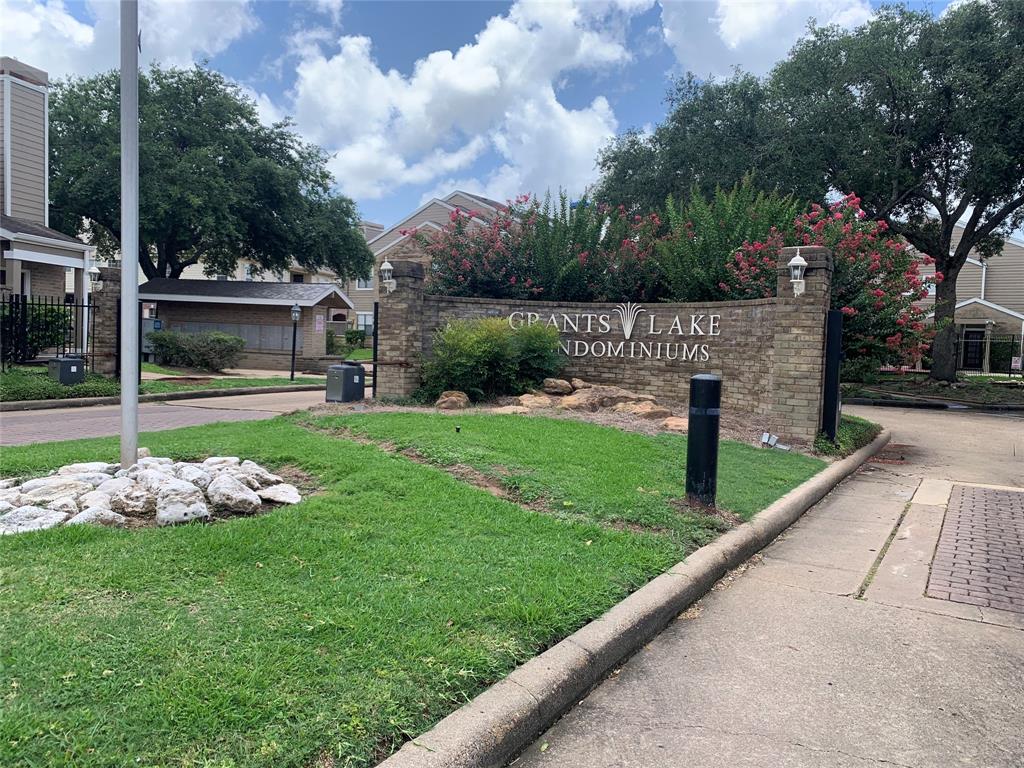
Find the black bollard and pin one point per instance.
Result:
(702, 440)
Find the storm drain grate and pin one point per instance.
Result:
(980, 556)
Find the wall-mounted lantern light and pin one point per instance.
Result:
(797, 268)
(387, 277)
(95, 281)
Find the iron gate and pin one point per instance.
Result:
(37, 328)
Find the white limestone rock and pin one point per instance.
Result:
(94, 499)
(228, 494)
(89, 467)
(94, 479)
(115, 484)
(10, 495)
(6, 506)
(262, 476)
(9, 483)
(155, 462)
(46, 489)
(248, 481)
(30, 518)
(153, 479)
(65, 504)
(282, 493)
(180, 502)
(222, 461)
(121, 473)
(143, 453)
(99, 516)
(193, 473)
(134, 501)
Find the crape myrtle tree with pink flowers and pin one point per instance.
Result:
(547, 251)
(876, 283)
(585, 252)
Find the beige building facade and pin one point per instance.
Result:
(35, 260)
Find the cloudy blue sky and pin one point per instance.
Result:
(414, 99)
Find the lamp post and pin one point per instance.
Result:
(296, 314)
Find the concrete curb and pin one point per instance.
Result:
(936, 405)
(85, 402)
(508, 716)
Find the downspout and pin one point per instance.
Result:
(984, 274)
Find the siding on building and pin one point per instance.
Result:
(27, 152)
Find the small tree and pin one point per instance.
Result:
(876, 281)
(702, 230)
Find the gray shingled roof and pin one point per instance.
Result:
(240, 291)
(22, 227)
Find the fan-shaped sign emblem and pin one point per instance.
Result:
(628, 313)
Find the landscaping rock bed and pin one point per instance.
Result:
(155, 491)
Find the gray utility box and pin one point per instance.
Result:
(345, 383)
(67, 370)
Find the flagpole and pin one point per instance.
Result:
(129, 232)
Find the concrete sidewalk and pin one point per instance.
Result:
(830, 649)
(23, 427)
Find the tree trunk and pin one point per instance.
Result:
(944, 345)
(149, 269)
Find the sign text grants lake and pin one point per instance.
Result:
(646, 333)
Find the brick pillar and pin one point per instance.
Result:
(798, 371)
(400, 332)
(105, 306)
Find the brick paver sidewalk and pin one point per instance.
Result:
(980, 556)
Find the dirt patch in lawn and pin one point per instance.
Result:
(740, 426)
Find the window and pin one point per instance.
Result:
(220, 277)
(298, 277)
(364, 322)
(364, 284)
(250, 273)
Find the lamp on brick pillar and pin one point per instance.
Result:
(798, 361)
(400, 328)
(797, 269)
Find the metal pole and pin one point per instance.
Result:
(376, 315)
(702, 440)
(129, 232)
(295, 329)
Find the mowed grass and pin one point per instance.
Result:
(581, 470)
(349, 623)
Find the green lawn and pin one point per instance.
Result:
(360, 353)
(21, 383)
(853, 434)
(159, 370)
(348, 623)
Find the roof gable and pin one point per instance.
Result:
(240, 292)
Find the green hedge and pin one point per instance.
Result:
(487, 358)
(209, 351)
(35, 384)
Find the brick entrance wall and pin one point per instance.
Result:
(769, 352)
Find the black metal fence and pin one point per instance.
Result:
(39, 328)
(976, 354)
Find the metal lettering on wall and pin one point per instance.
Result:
(647, 333)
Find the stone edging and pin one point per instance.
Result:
(508, 716)
(84, 402)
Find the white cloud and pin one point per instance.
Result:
(173, 32)
(710, 38)
(495, 94)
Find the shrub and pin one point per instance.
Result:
(355, 337)
(35, 384)
(487, 358)
(29, 329)
(208, 351)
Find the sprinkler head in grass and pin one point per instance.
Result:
(457, 429)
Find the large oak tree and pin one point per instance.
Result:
(215, 185)
(922, 117)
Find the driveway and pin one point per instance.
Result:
(22, 427)
(843, 644)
